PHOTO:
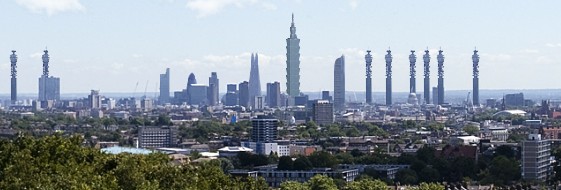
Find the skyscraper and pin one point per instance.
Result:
(254, 82)
(368, 59)
(243, 94)
(14, 91)
(213, 89)
(264, 129)
(412, 72)
(535, 154)
(164, 87)
(231, 97)
(426, 91)
(49, 86)
(190, 81)
(293, 63)
(339, 84)
(389, 59)
(440, 58)
(322, 112)
(273, 94)
(475, 59)
(94, 99)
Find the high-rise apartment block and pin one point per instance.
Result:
(157, 137)
(264, 129)
(94, 100)
(536, 163)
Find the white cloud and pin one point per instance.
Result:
(210, 7)
(553, 45)
(52, 6)
(353, 4)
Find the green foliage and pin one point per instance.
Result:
(367, 184)
(471, 129)
(406, 176)
(293, 185)
(321, 182)
(501, 171)
(429, 186)
(56, 162)
(322, 159)
(285, 163)
(302, 163)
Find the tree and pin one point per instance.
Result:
(293, 185)
(471, 129)
(502, 171)
(321, 182)
(406, 176)
(429, 186)
(429, 174)
(367, 184)
(302, 163)
(285, 163)
(322, 159)
(504, 150)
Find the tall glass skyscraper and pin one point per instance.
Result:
(293, 63)
(254, 82)
(164, 87)
(339, 84)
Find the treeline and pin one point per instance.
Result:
(56, 162)
(321, 182)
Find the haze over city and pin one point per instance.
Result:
(112, 45)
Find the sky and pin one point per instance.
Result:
(113, 45)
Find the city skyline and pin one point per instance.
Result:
(83, 61)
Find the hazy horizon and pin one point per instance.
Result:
(113, 45)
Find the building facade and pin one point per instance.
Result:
(339, 84)
(273, 95)
(244, 94)
(213, 89)
(293, 62)
(264, 129)
(157, 137)
(164, 88)
(536, 163)
(323, 112)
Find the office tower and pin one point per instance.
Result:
(412, 72)
(231, 95)
(514, 99)
(301, 100)
(435, 93)
(339, 84)
(157, 137)
(368, 59)
(273, 95)
(258, 103)
(231, 88)
(254, 82)
(535, 158)
(213, 89)
(293, 63)
(264, 129)
(426, 66)
(198, 94)
(190, 81)
(389, 78)
(440, 59)
(13, 66)
(322, 112)
(244, 94)
(164, 87)
(94, 100)
(325, 96)
(49, 86)
(475, 58)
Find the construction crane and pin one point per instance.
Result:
(134, 93)
(145, 89)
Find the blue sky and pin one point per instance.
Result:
(110, 45)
